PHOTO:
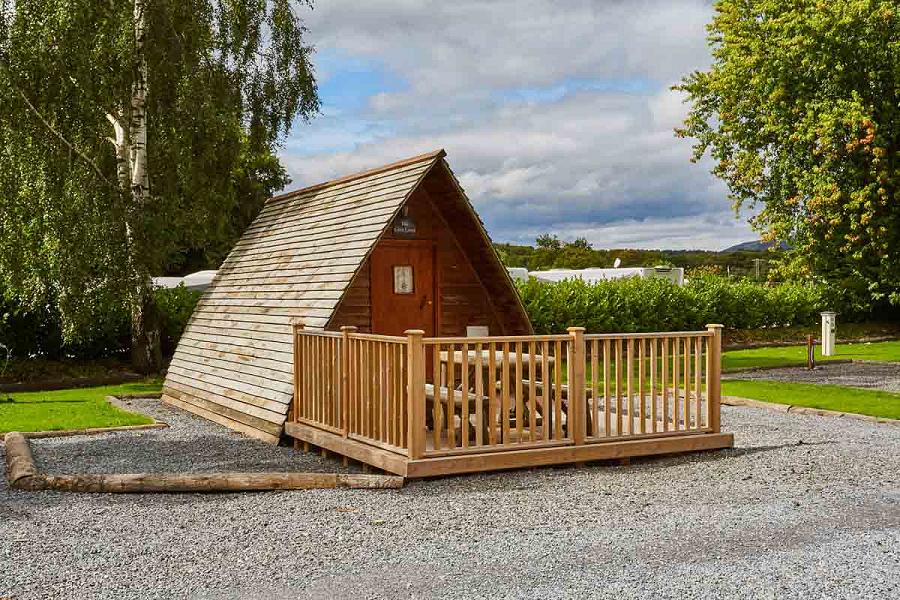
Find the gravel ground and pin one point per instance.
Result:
(804, 507)
(874, 375)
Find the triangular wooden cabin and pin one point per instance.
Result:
(394, 248)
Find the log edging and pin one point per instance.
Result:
(23, 474)
(806, 410)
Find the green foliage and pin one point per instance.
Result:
(225, 80)
(801, 114)
(37, 332)
(550, 252)
(634, 304)
(176, 305)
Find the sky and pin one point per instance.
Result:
(557, 117)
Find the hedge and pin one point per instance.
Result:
(38, 332)
(639, 305)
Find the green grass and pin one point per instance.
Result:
(875, 403)
(796, 355)
(79, 408)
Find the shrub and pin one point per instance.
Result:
(175, 308)
(37, 332)
(634, 304)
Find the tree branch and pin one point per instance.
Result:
(62, 138)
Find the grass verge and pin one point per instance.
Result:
(875, 403)
(79, 408)
(796, 355)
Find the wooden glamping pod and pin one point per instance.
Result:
(394, 248)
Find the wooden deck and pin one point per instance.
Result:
(422, 407)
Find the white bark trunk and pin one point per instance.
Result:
(130, 142)
(140, 184)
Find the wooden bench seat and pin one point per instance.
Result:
(443, 395)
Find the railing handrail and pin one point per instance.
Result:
(647, 335)
(497, 339)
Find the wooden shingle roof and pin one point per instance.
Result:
(233, 364)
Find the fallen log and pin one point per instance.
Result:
(23, 474)
(20, 468)
(212, 482)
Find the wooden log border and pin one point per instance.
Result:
(24, 475)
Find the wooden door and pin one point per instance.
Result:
(403, 283)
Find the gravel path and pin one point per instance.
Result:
(803, 507)
(874, 375)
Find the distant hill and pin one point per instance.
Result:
(754, 246)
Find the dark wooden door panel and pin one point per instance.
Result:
(402, 275)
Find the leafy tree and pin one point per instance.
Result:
(548, 242)
(135, 137)
(800, 111)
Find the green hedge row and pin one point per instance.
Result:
(38, 332)
(635, 305)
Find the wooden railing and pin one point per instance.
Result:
(430, 397)
(376, 390)
(657, 383)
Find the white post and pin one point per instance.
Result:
(828, 331)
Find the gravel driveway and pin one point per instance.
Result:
(875, 375)
(803, 507)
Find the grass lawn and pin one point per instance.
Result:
(875, 403)
(79, 408)
(796, 355)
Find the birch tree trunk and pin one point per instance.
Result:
(130, 141)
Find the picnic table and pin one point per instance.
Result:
(472, 359)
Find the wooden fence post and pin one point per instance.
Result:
(714, 376)
(577, 395)
(296, 325)
(345, 368)
(415, 393)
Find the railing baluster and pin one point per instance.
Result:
(595, 390)
(641, 377)
(653, 414)
(698, 344)
(464, 396)
(687, 383)
(629, 367)
(479, 395)
(546, 409)
(504, 394)
(532, 392)
(557, 395)
(491, 389)
(436, 406)
(606, 404)
(675, 383)
(520, 409)
(619, 387)
(451, 395)
(664, 384)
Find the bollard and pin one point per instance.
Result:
(810, 352)
(828, 330)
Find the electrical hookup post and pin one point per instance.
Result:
(828, 332)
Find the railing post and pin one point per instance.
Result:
(345, 367)
(714, 376)
(577, 395)
(296, 325)
(415, 412)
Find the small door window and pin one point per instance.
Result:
(403, 279)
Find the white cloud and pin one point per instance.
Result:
(594, 162)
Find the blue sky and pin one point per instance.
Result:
(556, 116)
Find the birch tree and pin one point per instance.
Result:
(133, 134)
